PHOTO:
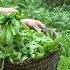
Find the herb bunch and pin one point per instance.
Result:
(19, 42)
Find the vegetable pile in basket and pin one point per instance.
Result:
(19, 42)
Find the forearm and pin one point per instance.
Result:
(7, 10)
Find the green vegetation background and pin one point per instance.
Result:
(54, 14)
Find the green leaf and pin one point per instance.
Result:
(1, 55)
(39, 55)
(24, 58)
(12, 29)
(9, 36)
(2, 66)
(17, 26)
(41, 49)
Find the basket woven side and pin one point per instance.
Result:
(47, 63)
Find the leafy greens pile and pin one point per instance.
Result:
(19, 42)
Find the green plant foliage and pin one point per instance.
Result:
(19, 43)
(54, 14)
(64, 63)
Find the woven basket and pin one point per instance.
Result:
(49, 62)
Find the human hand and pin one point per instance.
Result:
(33, 23)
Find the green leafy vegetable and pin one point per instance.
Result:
(19, 42)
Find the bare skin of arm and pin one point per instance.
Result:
(29, 22)
(7, 10)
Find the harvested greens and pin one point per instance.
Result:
(19, 42)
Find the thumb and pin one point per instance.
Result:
(37, 28)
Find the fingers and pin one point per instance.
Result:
(40, 24)
(36, 28)
(33, 24)
(29, 22)
(7, 10)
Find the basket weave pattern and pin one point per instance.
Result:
(47, 63)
